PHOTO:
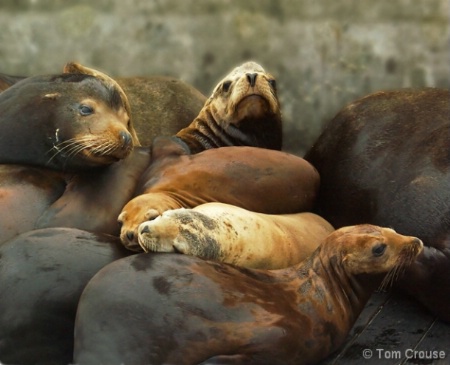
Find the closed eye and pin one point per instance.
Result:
(379, 249)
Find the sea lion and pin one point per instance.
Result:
(226, 233)
(385, 159)
(180, 309)
(159, 105)
(35, 197)
(257, 179)
(42, 275)
(243, 110)
(68, 121)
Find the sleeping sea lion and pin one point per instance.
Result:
(69, 121)
(226, 233)
(180, 309)
(257, 179)
(385, 159)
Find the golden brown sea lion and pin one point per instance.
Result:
(180, 309)
(226, 233)
(257, 179)
(385, 159)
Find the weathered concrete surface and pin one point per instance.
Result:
(324, 53)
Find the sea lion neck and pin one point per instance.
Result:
(349, 293)
(205, 133)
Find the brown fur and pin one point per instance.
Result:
(185, 310)
(256, 179)
(385, 159)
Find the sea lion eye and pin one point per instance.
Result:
(379, 249)
(273, 83)
(85, 109)
(226, 86)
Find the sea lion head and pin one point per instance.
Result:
(247, 94)
(243, 110)
(93, 124)
(369, 249)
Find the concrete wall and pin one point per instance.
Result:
(324, 53)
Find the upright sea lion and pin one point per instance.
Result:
(226, 233)
(68, 121)
(179, 309)
(243, 110)
(385, 159)
(257, 179)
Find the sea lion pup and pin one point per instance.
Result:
(243, 110)
(257, 179)
(385, 159)
(226, 233)
(70, 121)
(180, 309)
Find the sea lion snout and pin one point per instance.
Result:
(251, 77)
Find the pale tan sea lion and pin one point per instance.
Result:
(226, 233)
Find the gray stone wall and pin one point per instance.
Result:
(324, 53)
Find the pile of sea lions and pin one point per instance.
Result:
(148, 224)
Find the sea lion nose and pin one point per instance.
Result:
(145, 230)
(130, 235)
(126, 139)
(252, 79)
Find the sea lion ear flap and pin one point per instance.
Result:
(76, 68)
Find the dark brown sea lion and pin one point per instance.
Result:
(243, 110)
(385, 159)
(42, 275)
(160, 105)
(34, 197)
(257, 179)
(68, 121)
(226, 233)
(179, 309)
